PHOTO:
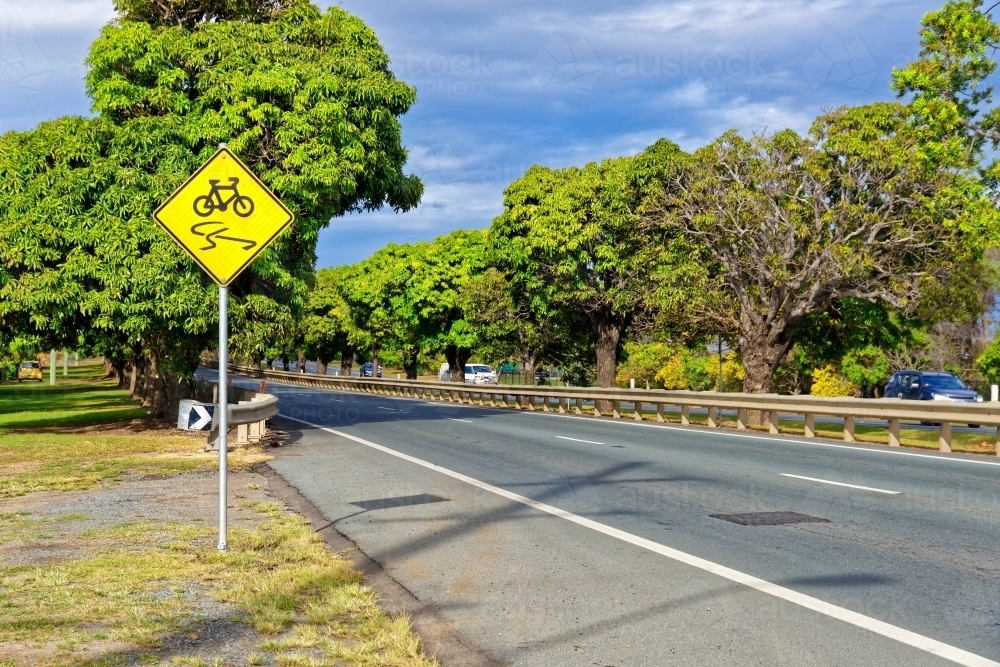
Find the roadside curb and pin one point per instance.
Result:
(438, 635)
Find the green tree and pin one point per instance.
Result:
(789, 225)
(327, 327)
(304, 97)
(576, 237)
(988, 362)
(441, 275)
(868, 368)
(380, 303)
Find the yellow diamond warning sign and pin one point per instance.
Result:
(224, 216)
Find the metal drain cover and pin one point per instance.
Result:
(769, 518)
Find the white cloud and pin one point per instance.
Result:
(40, 16)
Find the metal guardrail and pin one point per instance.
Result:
(248, 416)
(572, 399)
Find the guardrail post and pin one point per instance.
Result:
(578, 409)
(810, 426)
(545, 404)
(772, 421)
(616, 409)
(531, 403)
(849, 429)
(637, 412)
(741, 419)
(659, 412)
(562, 405)
(944, 437)
(685, 415)
(597, 410)
(713, 417)
(894, 432)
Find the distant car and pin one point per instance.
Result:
(29, 370)
(444, 373)
(479, 374)
(366, 370)
(931, 386)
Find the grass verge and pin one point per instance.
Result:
(137, 596)
(84, 431)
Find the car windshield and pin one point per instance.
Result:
(30, 364)
(479, 369)
(943, 382)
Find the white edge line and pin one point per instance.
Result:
(850, 486)
(461, 420)
(589, 442)
(907, 637)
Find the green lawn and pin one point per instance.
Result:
(83, 398)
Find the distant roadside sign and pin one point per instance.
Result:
(223, 216)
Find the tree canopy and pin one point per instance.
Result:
(303, 96)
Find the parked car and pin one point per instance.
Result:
(29, 370)
(444, 373)
(479, 374)
(366, 370)
(931, 386)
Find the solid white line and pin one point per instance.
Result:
(462, 420)
(913, 639)
(850, 486)
(589, 442)
(382, 408)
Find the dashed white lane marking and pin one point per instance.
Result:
(462, 420)
(902, 635)
(850, 486)
(389, 409)
(589, 442)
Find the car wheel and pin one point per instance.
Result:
(973, 425)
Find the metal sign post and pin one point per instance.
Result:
(223, 412)
(224, 217)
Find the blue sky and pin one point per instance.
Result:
(502, 86)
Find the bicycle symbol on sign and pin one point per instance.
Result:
(208, 204)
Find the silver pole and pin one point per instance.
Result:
(223, 408)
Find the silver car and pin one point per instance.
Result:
(479, 374)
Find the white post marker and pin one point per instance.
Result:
(994, 393)
(224, 217)
(52, 367)
(65, 362)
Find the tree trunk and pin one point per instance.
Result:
(321, 362)
(375, 361)
(457, 358)
(761, 356)
(301, 362)
(528, 360)
(161, 392)
(410, 364)
(607, 334)
(346, 360)
(284, 362)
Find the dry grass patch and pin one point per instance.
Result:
(278, 577)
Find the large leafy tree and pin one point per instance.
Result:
(327, 328)
(383, 315)
(788, 225)
(304, 97)
(448, 265)
(574, 239)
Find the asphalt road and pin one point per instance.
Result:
(624, 563)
